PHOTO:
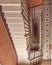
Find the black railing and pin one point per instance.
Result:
(28, 29)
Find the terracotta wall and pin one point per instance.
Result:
(32, 3)
(7, 53)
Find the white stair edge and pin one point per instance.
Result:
(15, 23)
(10, 4)
(11, 11)
(14, 18)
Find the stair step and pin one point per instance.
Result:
(19, 40)
(16, 37)
(10, 4)
(14, 17)
(19, 46)
(17, 33)
(11, 11)
(10, 23)
(12, 14)
(19, 20)
(11, 8)
(10, 1)
(17, 43)
(16, 30)
(22, 32)
(15, 25)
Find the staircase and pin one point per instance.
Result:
(14, 20)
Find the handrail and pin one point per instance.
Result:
(7, 53)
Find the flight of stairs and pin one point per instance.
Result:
(14, 20)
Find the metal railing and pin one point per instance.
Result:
(32, 54)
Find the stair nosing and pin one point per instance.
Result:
(10, 4)
(14, 18)
(11, 11)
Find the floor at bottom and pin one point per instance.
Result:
(42, 63)
(45, 63)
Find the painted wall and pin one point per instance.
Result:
(46, 30)
(7, 53)
(32, 3)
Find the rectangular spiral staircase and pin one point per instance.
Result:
(15, 23)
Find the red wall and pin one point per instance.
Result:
(7, 53)
(32, 3)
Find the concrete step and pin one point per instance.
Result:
(22, 29)
(17, 33)
(16, 30)
(17, 36)
(10, 4)
(14, 22)
(19, 42)
(10, 20)
(15, 25)
(22, 47)
(11, 14)
(11, 8)
(10, 1)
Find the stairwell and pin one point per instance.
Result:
(14, 20)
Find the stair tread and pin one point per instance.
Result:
(10, 4)
(11, 8)
(13, 14)
(15, 20)
(10, 1)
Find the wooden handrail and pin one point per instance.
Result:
(7, 53)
